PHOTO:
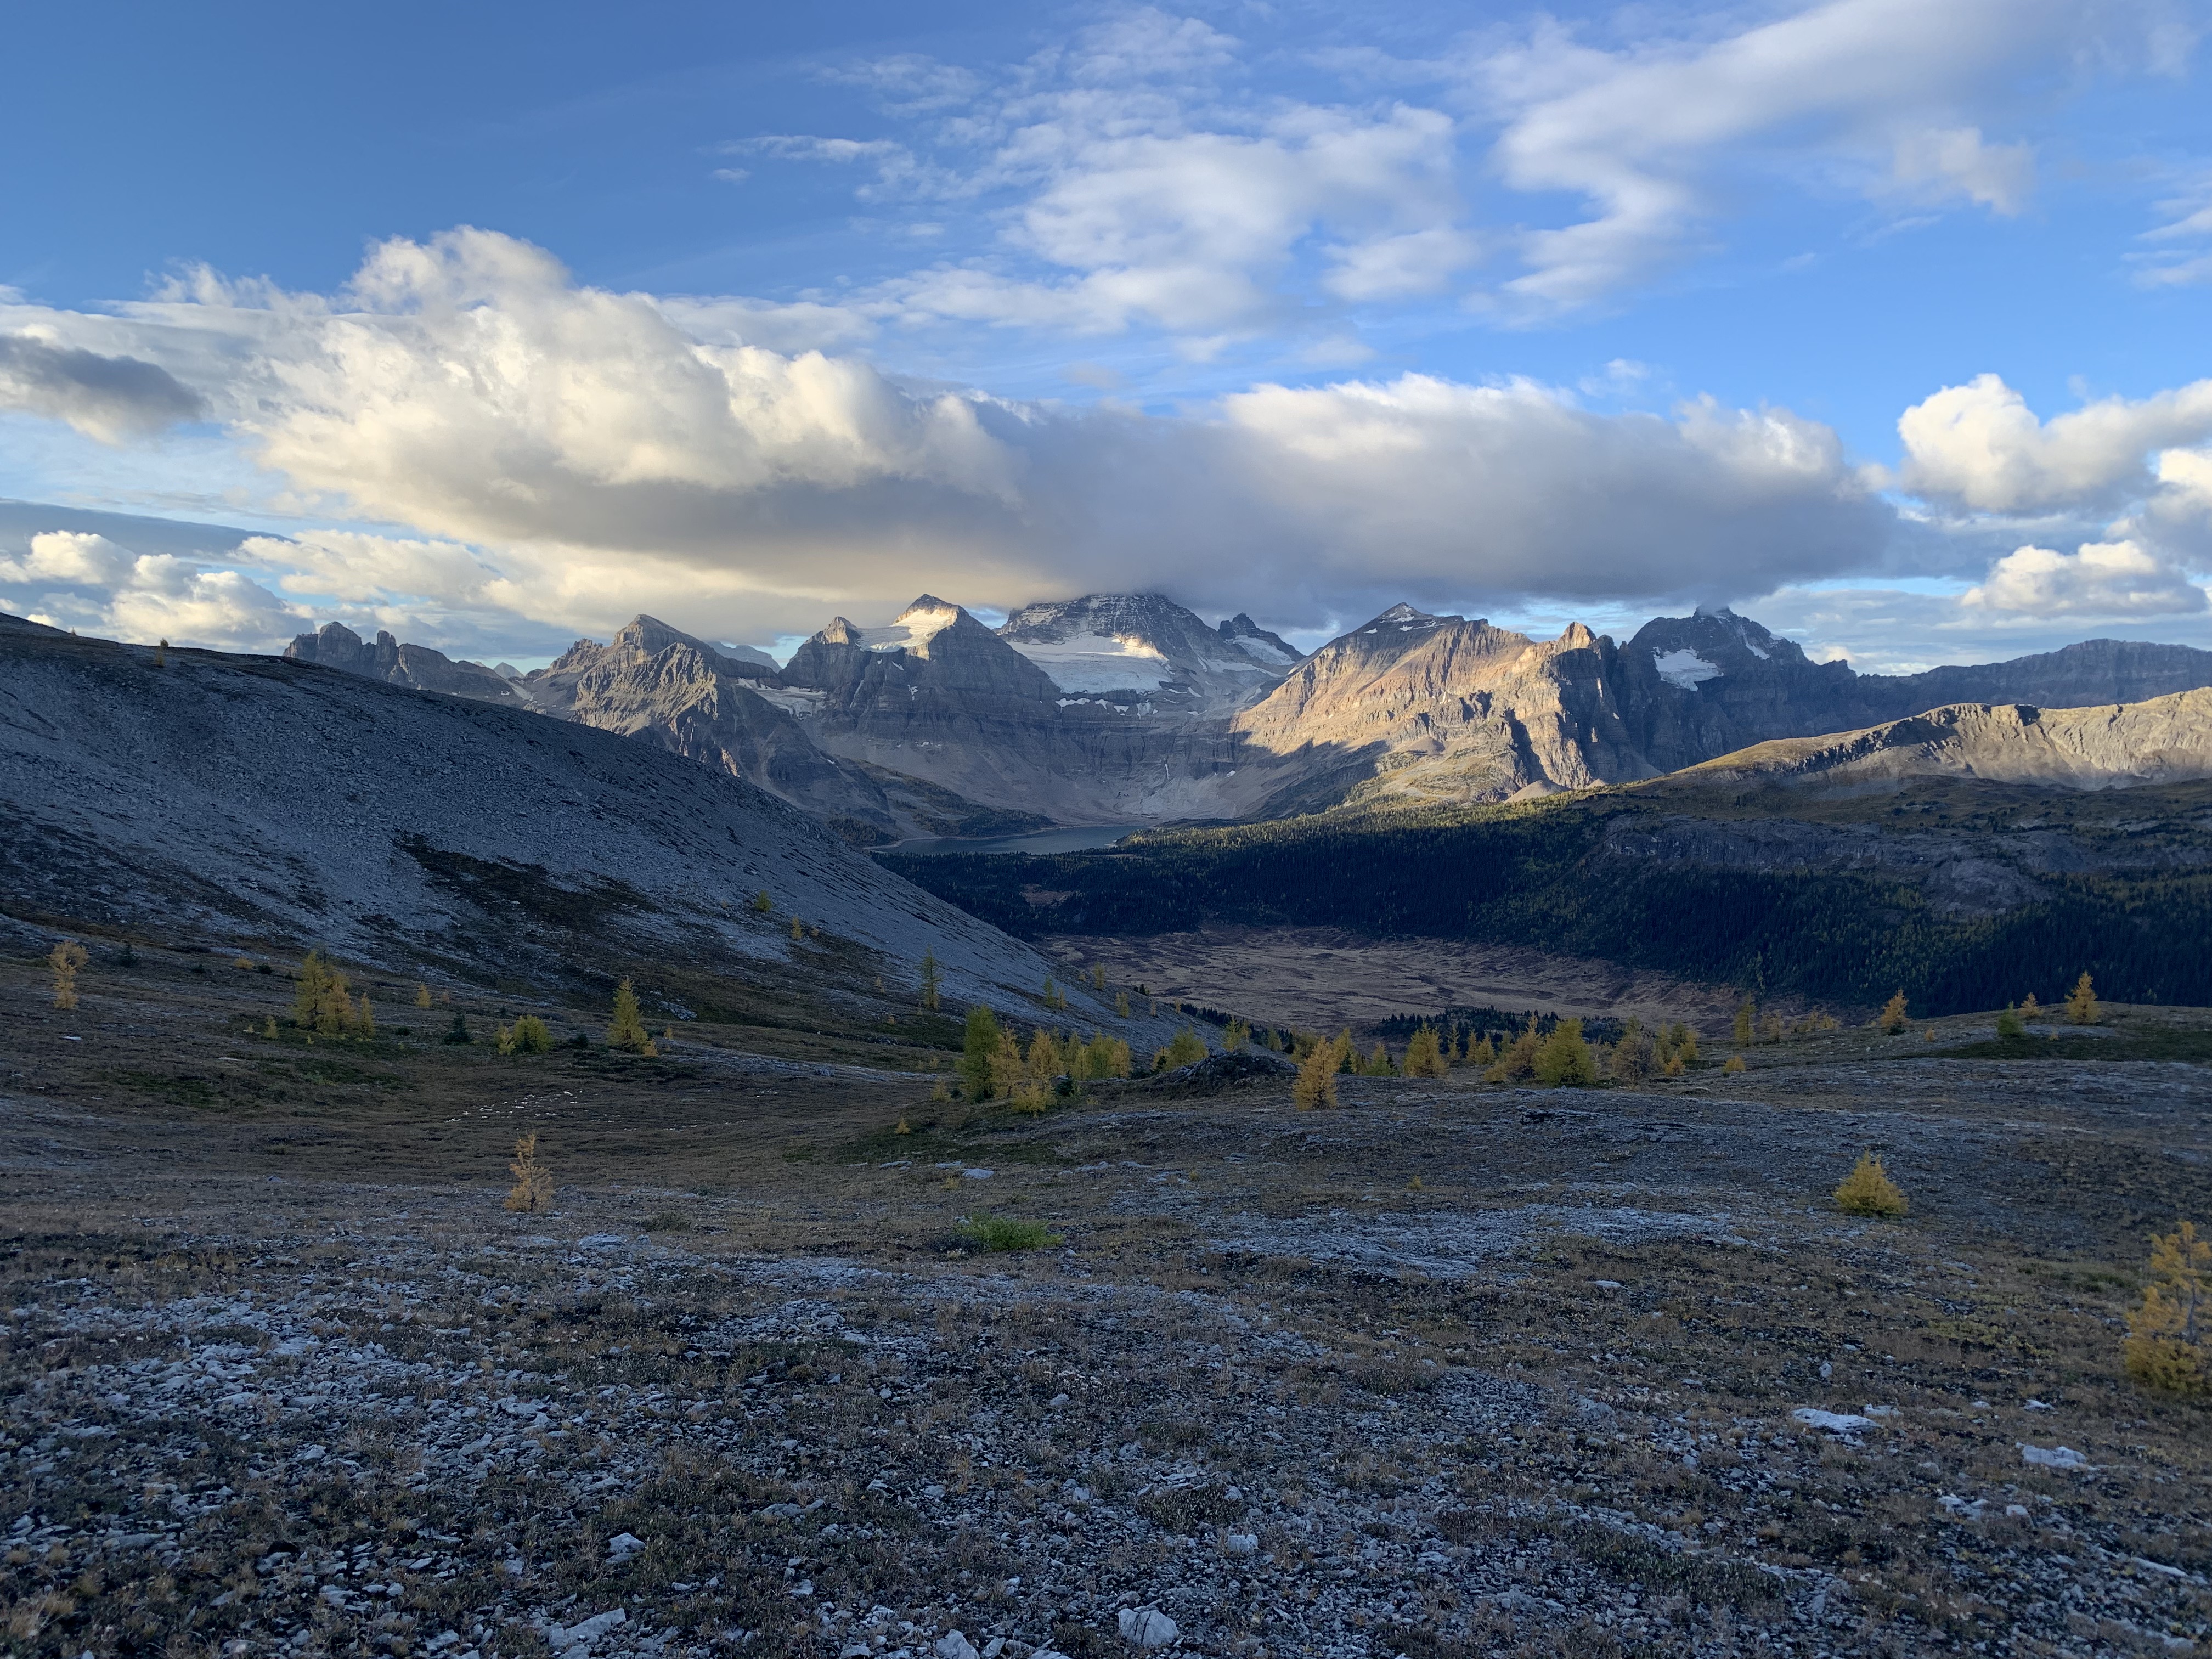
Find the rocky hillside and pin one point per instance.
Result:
(2119, 745)
(1119, 709)
(251, 804)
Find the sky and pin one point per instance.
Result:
(1888, 324)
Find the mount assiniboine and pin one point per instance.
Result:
(1125, 708)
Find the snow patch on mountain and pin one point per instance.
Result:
(1096, 662)
(913, 628)
(1686, 668)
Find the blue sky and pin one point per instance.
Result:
(494, 325)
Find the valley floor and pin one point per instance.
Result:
(1452, 1369)
(1319, 978)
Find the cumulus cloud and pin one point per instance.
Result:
(563, 450)
(2100, 579)
(110, 399)
(1980, 445)
(72, 579)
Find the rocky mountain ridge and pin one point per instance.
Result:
(1130, 708)
(2116, 746)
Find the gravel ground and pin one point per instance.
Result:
(1454, 1370)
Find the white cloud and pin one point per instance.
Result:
(1878, 97)
(68, 557)
(69, 579)
(569, 454)
(1980, 445)
(2178, 265)
(2101, 579)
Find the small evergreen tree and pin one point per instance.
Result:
(421, 994)
(1106, 1057)
(798, 928)
(1893, 1018)
(1518, 1063)
(322, 1001)
(1482, 1053)
(1186, 1048)
(1633, 1058)
(365, 1020)
(2169, 1342)
(1565, 1062)
(2029, 1007)
(1009, 1071)
(932, 980)
(1379, 1063)
(1099, 976)
(1867, 1190)
(527, 1036)
(533, 1181)
(65, 958)
(2081, 1007)
(1315, 1089)
(1121, 1004)
(1734, 1064)
(978, 1044)
(2009, 1024)
(1424, 1055)
(626, 1030)
(1236, 1038)
(1747, 1017)
(763, 903)
(457, 1032)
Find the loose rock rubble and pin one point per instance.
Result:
(1607, 1380)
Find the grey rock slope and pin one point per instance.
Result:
(650, 681)
(2159, 740)
(244, 802)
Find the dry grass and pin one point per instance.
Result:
(1485, 1371)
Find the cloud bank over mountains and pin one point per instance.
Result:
(565, 453)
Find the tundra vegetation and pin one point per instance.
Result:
(306, 1353)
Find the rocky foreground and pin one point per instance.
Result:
(1452, 1369)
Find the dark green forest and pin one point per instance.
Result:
(1538, 877)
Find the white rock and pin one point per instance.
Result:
(582, 1634)
(954, 1646)
(1241, 1543)
(1147, 1627)
(622, 1546)
(2053, 1457)
(1834, 1422)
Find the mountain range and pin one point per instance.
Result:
(1129, 709)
